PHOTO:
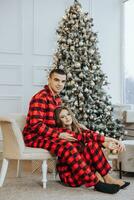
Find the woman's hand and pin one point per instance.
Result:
(67, 137)
(114, 144)
(121, 147)
(110, 145)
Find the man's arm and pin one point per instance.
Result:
(37, 114)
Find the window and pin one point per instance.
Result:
(128, 54)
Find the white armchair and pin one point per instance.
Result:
(14, 147)
(126, 158)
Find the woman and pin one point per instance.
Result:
(87, 145)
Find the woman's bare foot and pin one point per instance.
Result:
(111, 180)
(99, 177)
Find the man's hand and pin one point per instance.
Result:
(67, 137)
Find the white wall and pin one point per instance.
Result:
(28, 40)
(107, 21)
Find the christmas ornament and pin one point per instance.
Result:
(86, 90)
(69, 75)
(81, 75)
(86, 68)
(77, 65)
(66, 98)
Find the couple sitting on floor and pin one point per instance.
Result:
(53, 127)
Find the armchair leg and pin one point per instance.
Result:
(3, 171)
(44, 173)
(54, 169)
(120, 170)
(19, 168)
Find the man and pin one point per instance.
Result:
(40, 119)
(39, 132)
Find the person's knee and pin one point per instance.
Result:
(93, 145)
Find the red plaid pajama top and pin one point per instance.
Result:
(40, 119)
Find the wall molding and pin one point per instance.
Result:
(18, 99)
(11, 97)
(18, 72)
(36, 50)
(20, 35)
(18, 102)
(39, 75)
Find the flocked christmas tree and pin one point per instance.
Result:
(77, 53)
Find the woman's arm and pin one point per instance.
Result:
(95, 136)
(108, 142)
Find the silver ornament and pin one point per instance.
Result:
(80, 94)
(85, 19)
(92, 83)
(64, 17)
(84, 31)
(72, 82)
(109, 107)
(108, 113)
(92, 38)
(91, 116)
(66, 98)
(69, 75)
(91, 51)
(81, 43)
(69, 41)
(85, 68)
(74, 16)
(81, 103)
(85, 116)
(76, 103)
(72, 21)
(86, 90)
(81, 75)
(61, 67)
(93, 67)
(77, 65)
(72, 48)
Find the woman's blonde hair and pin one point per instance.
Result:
(75, 125)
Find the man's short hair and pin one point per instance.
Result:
(58, 71)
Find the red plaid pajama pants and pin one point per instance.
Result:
(77, 168)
